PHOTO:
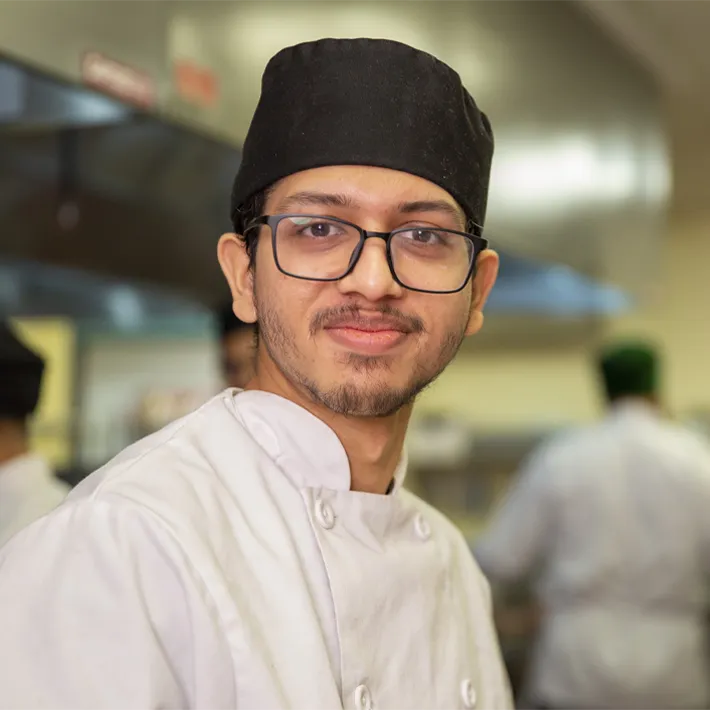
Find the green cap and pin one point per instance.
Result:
(629, 370)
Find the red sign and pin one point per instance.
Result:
(118, 79)
(196, 84)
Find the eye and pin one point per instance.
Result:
(422, 235)
(317, 229)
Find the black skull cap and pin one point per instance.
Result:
(371, 102)
(21, 372)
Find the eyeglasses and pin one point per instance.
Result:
(318, 248)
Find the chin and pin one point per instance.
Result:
(364, 394)
(369, 364)
(355, 401)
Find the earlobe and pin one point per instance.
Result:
(234, 260)
(475, 322)
(486, 274)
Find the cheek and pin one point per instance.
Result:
(271, 287)
(289, 301)
(447, 315)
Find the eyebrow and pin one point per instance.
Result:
(319, 199)
(440, 206)
(306, 198)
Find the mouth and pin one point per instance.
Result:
(368, 337)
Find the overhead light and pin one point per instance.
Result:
(552, 176)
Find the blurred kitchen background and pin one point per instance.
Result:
(120, 132)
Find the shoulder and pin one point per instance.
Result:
(683, 439)
(82, 531)
(684, 449)
(567, 444)
(184, 477)
(671, 446)
(186, 454)
(563, 455)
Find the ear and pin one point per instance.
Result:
(234, 260)
(486, 274)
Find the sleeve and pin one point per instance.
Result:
(519, 530)
(97, 610)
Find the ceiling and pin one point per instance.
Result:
(669, 38)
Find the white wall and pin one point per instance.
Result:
(516, 389)
(680, 319)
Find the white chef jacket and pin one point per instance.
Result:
(618, 518)
(224, 562)
(28, 490)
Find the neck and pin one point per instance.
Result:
(13, 441)
(373, 444)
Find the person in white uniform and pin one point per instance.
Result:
(613, 524)
(28, 488)
(262, 552)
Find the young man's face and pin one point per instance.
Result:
(363, 345)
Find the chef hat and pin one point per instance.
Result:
(20, 376)
(629, 370)
(366, 102)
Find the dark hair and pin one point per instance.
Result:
(243, 216)
(629, 370)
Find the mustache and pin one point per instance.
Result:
(332, 317)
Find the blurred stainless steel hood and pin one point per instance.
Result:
(87, 182)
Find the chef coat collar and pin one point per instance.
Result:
(303, 446)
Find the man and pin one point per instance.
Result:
(261, 552)
(614, 524)
(237, 341)
(28, 488)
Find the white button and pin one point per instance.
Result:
(324, 514)
(422, 527)
(363, 699)
(468, 694)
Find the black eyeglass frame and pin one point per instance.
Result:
(478, 242)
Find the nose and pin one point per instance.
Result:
(371, 276)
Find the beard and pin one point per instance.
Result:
(374, 397)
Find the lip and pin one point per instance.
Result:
(367, 340)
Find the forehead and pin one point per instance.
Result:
(374, 189)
